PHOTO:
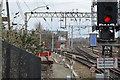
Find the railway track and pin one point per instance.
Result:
(85, 53)
(98, 50)
(80, 51)
(80, 60)
(87, 61)
(116, 71)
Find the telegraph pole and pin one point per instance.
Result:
(1, 39)
(8, 18)
(1, 20)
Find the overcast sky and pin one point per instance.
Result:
(54, 5)
(23, 6)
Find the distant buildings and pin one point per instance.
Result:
(59, 38)
(62, 39)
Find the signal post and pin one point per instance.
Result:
(107, 17)
(107, 25)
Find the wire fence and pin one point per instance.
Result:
(18, 63)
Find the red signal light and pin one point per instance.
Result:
(107, 19)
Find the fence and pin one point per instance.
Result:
(17, 63)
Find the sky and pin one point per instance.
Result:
(56, 5)
(23, 6)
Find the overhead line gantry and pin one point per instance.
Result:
(58, 15)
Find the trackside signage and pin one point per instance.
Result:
(103, 63)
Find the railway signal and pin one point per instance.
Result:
(107, 12)
(107, 17)
(107, 34)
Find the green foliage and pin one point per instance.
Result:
(30, 41)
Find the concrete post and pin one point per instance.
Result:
(72, 38)
(52, 41)
(119, 30)
(119, 43)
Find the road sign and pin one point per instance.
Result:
(107, 62)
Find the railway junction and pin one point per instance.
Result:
(63, 44)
